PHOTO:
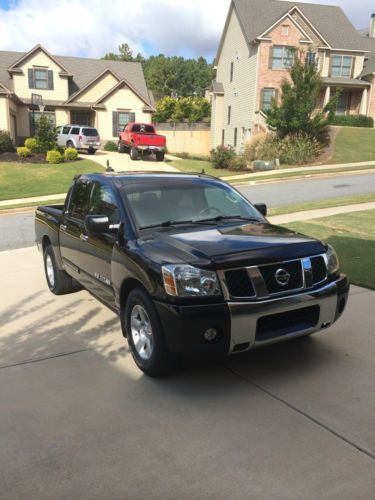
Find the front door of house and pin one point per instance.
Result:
(343, 103)
(81, 118)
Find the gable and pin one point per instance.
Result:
(295, 35)
(98, 88)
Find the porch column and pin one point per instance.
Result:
(363, 107)
(327, 96)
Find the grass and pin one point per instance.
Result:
(354, 145)
(313, 205)
(22, 180)
(353, 237)
(30, 204)
(197, 166)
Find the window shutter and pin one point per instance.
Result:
(50, 79)
(353, 66)
(261, 106)
(270, 58)
(132, 117)
(115, 131)
(31, 78)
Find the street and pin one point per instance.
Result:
(79, 420)
(17, 230)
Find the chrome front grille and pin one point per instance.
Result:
(268, 280)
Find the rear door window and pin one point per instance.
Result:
(75, 131)
(80, 198)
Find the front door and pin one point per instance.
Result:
(96, 249)
(343, 103)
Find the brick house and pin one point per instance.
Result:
(255, 53)
(95, 92)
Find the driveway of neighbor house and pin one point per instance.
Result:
(78, 420)
(123, 163)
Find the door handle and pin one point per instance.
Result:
(83, 237)
(63, 227)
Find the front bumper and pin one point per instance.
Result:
(246, 325)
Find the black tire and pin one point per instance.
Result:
(120, 147)
(61, 283)
(70, 144)
(91, 151)
(133, 153)
(161, 361)
(160, 156)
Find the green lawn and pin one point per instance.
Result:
(353, 237)
(198, 165)
(22, 180)
(353, 145)
(313, 205)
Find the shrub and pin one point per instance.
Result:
(70, 154)
(110, 146)
(45, 136)
(222, 156)
(6, 144)
(32, 145)
(23, 152)
(53, 157)
(251, 146)
(268, 148)
(299, 149)
(353, 121)
(238, 163)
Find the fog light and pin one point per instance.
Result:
(211, 334)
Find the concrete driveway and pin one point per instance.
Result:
(123, 163)
(78, 420)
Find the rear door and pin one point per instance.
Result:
(72, 226)
(97, 249)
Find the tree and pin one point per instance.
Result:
(124, 54)
(298, 109)
(178, 109)
(45, 134)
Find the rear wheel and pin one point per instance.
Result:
(145, 336)
(133, 153)
(91, 151)
(120, 147)
(160, 156)
(58, 281)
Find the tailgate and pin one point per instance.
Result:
(151, 140)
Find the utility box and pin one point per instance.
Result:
(260, 165)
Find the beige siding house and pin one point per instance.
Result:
(99, 93)
(255, 53)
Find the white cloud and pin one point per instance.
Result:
(93, 27)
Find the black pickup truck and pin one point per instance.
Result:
(189, 264)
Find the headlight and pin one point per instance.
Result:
(333, 264)
(187, 281)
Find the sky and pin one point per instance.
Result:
(90, 28)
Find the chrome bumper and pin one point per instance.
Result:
(330, 298)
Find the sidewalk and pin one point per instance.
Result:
(299, 170)
(321, 212)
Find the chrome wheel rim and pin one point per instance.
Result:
(141, 332)
(50, 271)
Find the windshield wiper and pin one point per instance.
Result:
(169, 223)
(219, 218)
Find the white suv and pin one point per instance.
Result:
(79, 137)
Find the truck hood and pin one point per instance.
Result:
(229, 245)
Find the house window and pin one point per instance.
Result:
(235, 137)
(310, 58)
(120, 120)
(229, 113)
(342, 66)
(231, 71)
(267, 96)
(281, 57)
(285, 30)
(40, 78)
(222, 137)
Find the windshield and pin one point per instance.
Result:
(90, 132)
(157, 203)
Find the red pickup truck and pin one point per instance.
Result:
(141, 137)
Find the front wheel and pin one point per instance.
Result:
(145, 336)
(58, 281)
(160, 156)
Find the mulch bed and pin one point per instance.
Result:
(35, 158)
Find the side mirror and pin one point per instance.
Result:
(96, 223)
(262, 208)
